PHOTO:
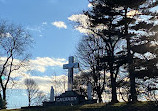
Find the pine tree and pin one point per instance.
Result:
(103, 18)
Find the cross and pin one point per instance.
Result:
(70, 67)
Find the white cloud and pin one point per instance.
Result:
(90, 5)
(35, 28)
(44, 23)
(59, 83)
(5, 35)
(133, 13)
(84, 22)
(81, 18)
(44, 82)
(40, 28)
(40, 63)
(59, 24)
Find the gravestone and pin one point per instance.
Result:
(89, 90)
(52, 94)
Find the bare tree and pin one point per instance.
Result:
(14, 44)
(32, 90)
(41, 97)
(89, 50)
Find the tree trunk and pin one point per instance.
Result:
(99, 94)
(29, 102)
(113, 86)
(132, 87)
(4, 98)
(100, 98)
(133, 96)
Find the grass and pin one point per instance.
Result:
(139, 106)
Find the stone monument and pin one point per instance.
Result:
(52, 94)
(69, 97)
(89, 91)
(70, 67)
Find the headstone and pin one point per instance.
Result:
(52, 94)
(69, 98)
(89, 90)
(70, 67)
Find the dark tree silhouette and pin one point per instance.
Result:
(118, 20)
(139, 36)
(103, 18)
(89, 50)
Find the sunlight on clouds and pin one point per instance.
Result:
(133, 13)
(45, 82)
(59, 24)
(40, 64)
(81, 18)
(83, 22)
(90, 5)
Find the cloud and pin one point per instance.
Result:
(44, 23)
(90, 5)
(40, 64)
(84, 24)
(35, 28)
(44, 82)
(39, 29)
(81, 18)
(59, 24)
(83, 21)
(133, 13)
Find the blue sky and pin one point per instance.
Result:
(37, 16)
(55, 39)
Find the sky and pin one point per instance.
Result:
(51, 24)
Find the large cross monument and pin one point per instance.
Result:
(70, 97)
(70, 67)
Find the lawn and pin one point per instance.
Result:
(139, 106)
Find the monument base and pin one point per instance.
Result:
(69, 98)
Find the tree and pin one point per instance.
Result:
(120, 18)
(40, 98)
(103, 18)
(32, 90)
(139, 34)
(14, 44)
(89, 50)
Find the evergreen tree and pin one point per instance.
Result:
(103, 18)
(122, 20)
(140, 37)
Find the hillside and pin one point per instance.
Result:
(139, 106)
